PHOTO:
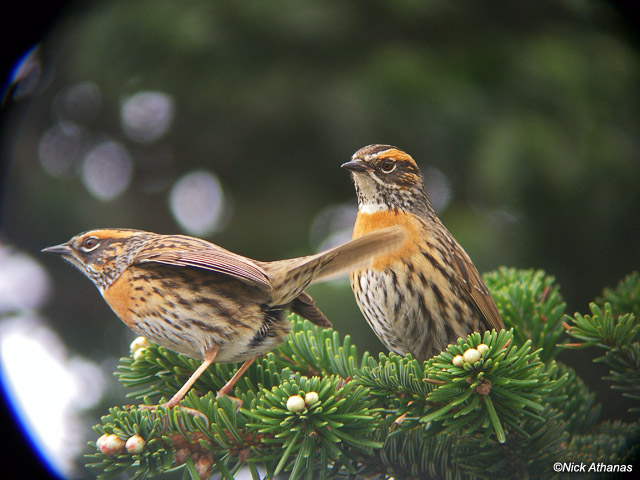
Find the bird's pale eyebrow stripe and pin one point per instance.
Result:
(397, 155)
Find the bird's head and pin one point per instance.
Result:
(101, 254)
(386, 178)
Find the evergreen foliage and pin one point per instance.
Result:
(492, 405)
(530, 302)
(625, 298)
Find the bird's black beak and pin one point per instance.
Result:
(356, 166)
(63, 249)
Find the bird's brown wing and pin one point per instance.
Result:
(477, 289)
(183, 251)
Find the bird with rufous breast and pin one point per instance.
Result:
(198, 299)
(426, 293)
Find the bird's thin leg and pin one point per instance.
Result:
(209, 357)
(230, 384)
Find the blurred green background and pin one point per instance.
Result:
(229, 120)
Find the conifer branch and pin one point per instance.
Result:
(496, 404)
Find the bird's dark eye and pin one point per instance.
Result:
(388, 166)
(90, 243)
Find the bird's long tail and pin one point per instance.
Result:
(340, 260)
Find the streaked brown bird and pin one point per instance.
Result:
(425, 294)
(198, 299)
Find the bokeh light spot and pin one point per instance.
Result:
(25, 76)
(333, 225)
(34, 363)
(59, 147)
(24, 284)
(147, 116)
(439, 188)
(80, 103)
(107, 170)
(198, 202)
